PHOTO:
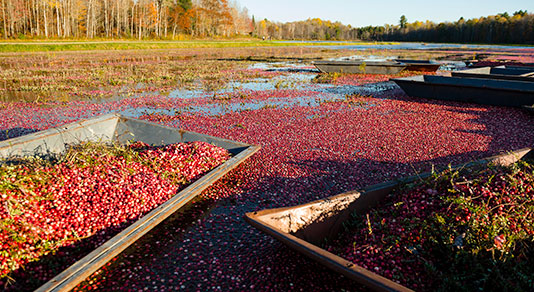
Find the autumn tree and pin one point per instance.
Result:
(403, 21)
(166, 18)
(120, 18)
(181, 16)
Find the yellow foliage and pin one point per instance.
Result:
(516, 17)
(152, 14)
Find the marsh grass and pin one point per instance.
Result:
(32, 77)
(66, 45)
(458, 230)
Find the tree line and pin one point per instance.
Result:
(311, 29)
(502, 28)
(168, 19)
(517, 28)
(121, 18)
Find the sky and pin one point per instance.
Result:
(379, 12)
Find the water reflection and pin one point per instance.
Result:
(293, 86)
(297, 77)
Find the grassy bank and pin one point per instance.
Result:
(62, 45)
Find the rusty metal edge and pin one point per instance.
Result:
(341, 265)
(328, 259)
(84, 267)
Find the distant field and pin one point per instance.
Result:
(67, 45)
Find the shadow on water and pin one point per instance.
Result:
(189, 260)
(172, 247)
(15, 132)
(34, 274)
(501, 124)
(37, 273)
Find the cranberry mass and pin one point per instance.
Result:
(318, 140)
(92, 189)
(458, 230)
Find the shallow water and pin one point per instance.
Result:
(299, 79)
(415, 46)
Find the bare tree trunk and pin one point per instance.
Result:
(166, 22)
(4, 18)
(9, 30)
(111, 20)
(106, 18)
(139, 27)
(118, 17)
(45, 19)
(93, 22)
(72, 25)
(156, 26)
(126, 18)
(132, 30)
(144, 26)
(29, 20)
(132, 20)
(65, 12)
(57, 20)
(160, 18)
(36, 12)
(88, 19)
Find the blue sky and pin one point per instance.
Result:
(363, 13)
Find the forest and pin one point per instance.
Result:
(179, 19)
(503, 28)
(122, 19)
